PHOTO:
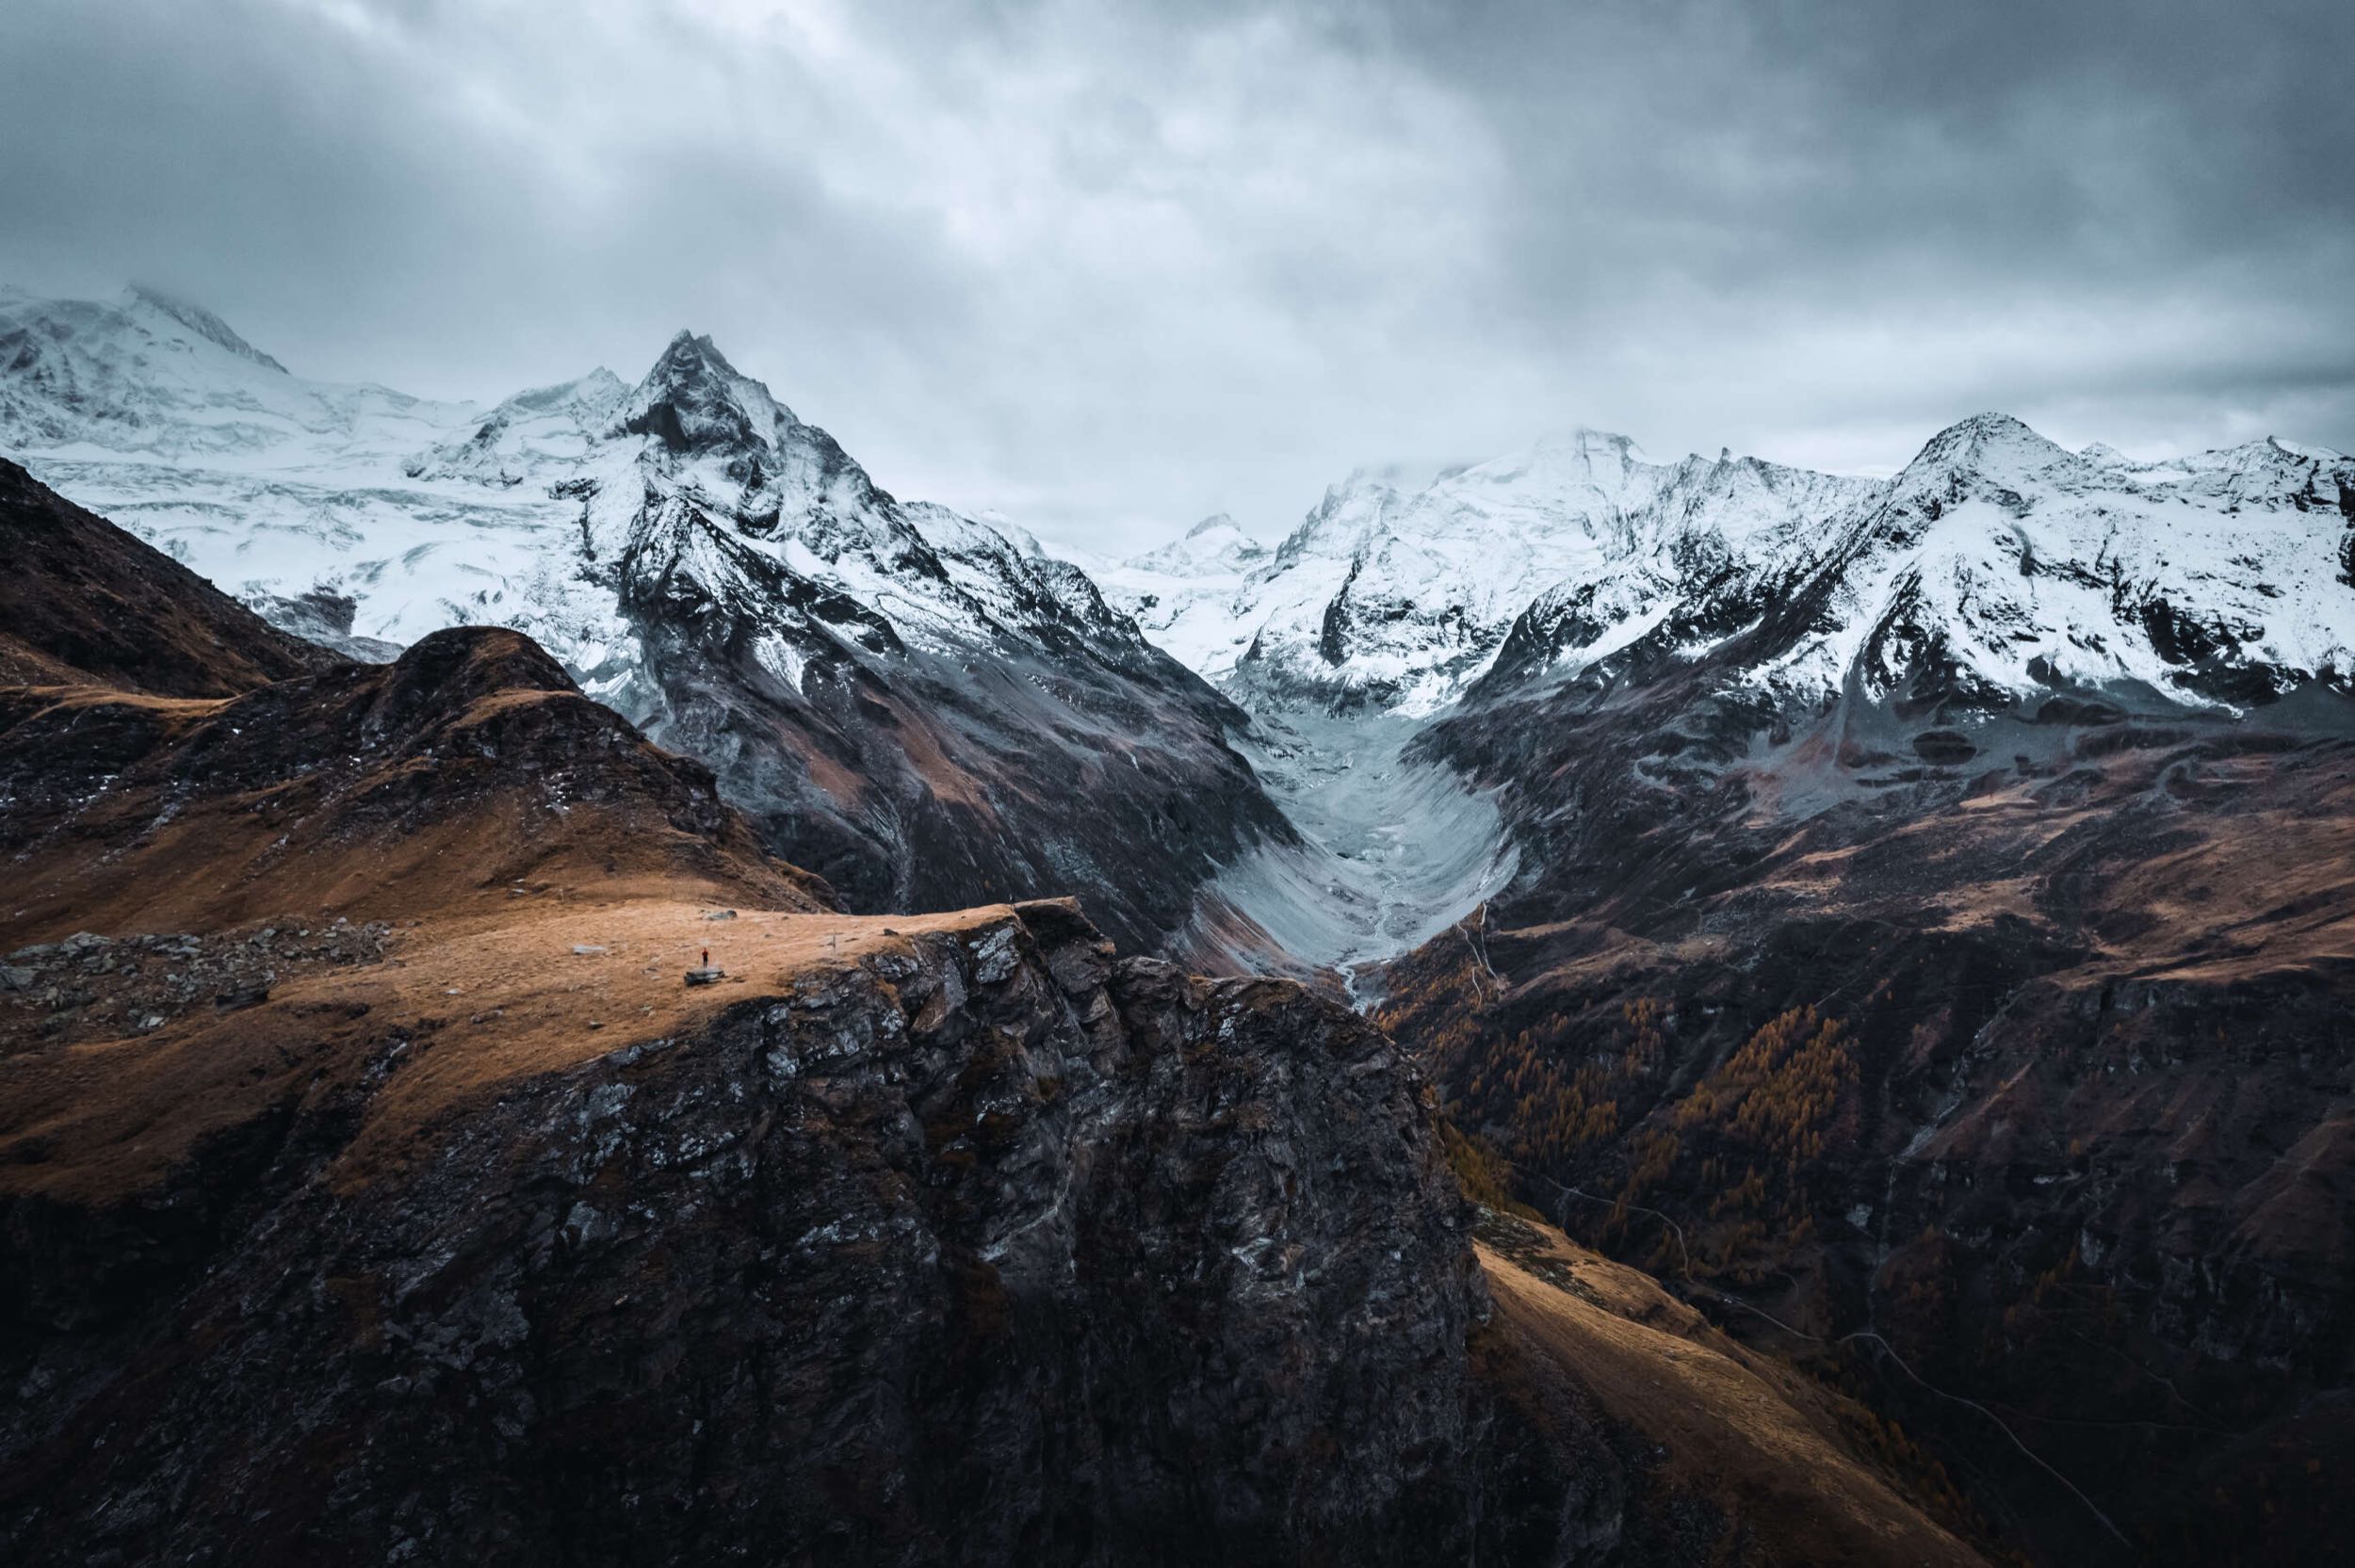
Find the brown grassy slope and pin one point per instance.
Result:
(458, 1010)
(1771, 1451)
(467, 796)
(80, 600)
(372, 791)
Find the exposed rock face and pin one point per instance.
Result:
(459, 1227)
(974, 1245)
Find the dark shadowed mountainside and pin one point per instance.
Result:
(82, 601)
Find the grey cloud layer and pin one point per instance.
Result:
(1105, 268)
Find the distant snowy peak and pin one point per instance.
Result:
(1575, 468)
(1213, 545)
(1182, 596)
(2001, 461)
(1995, 566)
(1993, 447)
(1996, 558)
(1401, 597)
(196, 318)
(2259, 473)
(151, 374)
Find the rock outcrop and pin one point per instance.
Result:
(967, 1244)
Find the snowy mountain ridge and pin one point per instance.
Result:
(151, 376)
(2222, 577)
(424, 513)
(529, 431)
(201, 321)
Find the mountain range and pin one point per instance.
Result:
(2012, 565)
(1908, 918)
(903, 697)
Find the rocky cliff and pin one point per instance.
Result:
(959, 1243)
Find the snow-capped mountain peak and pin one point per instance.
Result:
(693, 400)
(1579, 455)
(598, 391)
(1991, 451)
(152, 374)
(1398, 594)
(1995, 556)
(533, 430)
(1217, 544)
(145, 298)
(1996, 566)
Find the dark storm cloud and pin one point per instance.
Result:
(2141, 216)
(1106, 268)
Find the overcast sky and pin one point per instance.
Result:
(1107, 268)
